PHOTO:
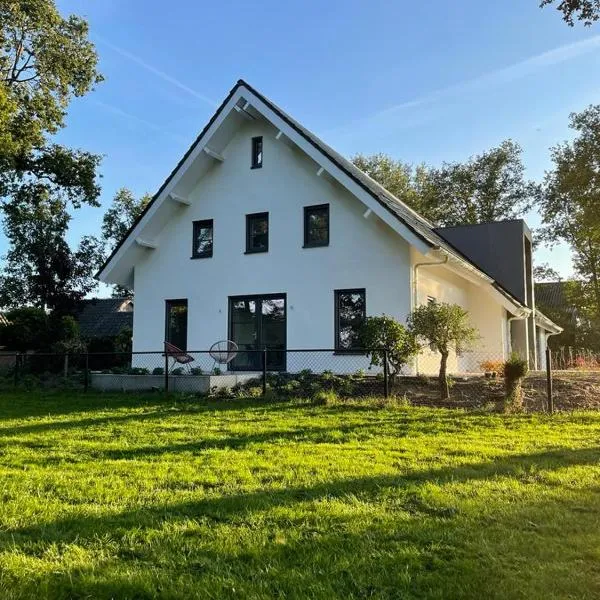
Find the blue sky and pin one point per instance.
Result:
(424, 82)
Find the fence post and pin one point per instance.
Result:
(17, 365)
(86, 372)
(264, 372)
(166, 373)
(386, 375)
(549, 380)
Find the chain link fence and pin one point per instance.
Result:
(475, 379)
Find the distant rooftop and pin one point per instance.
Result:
(104, 317)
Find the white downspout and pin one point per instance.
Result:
(548, 335)
(521, 317)
(415, 299)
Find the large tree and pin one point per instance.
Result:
(45, 60)
(570, 201)
(406, 182)
(490, 186)
(587, 11)
(41, 269)
(120, 216)
(487, 187)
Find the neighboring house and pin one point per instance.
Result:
(265, 235)
(104, 317)
(553, 295)
(555, 298)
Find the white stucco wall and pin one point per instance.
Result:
(363, 253)
(485, 313)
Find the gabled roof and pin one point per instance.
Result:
(418, 230)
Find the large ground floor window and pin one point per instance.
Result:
(350, 315)
(257, 322)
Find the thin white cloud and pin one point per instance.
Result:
(148, 124)
(497, 77)
(164, 76)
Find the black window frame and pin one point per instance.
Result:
(257, 154)
(196, 225)
(249, 218)
(339, 349)
(170, 302)
(307, 212)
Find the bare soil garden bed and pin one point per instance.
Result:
(573, 390)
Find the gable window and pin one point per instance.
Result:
(202, 239)
(257, 152)
(257, 232)
(316, 226)
(176, 323)
(350, 314)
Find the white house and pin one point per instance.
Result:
(265, 235)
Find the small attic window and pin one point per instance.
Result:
(257, 152)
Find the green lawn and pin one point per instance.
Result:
(128, 497)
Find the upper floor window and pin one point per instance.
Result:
(257, 152)
(350, 314)
(316, 225)
(202, 242)
(257, 232)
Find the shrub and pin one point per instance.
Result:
(385, 332)
(177, 371)
(515, 368)
(138, 371)
(326, 398)
(492, 366)
(221, 392)
(158, 371)
(196, 371)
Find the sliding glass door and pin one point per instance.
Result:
(255, 323)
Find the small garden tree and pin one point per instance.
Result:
(387, 333)
(65, 331)
(445, 327)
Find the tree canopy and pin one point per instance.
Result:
(121, 215)
(569, 202)
(587, 11)
(487, 187)
(41, 269)
(45, 60)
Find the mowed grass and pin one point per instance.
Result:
(131, 497)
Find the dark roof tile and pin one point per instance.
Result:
(103, 317)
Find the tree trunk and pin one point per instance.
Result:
(443, 379)
(513, 400)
